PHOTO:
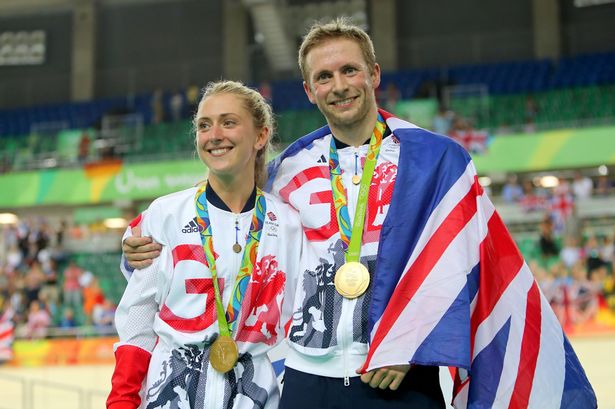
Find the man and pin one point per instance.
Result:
(407, 285)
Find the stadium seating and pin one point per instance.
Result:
(567, 93)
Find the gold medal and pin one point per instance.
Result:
(356, 179)
(351, 280)
(223, 354)
(236, 247)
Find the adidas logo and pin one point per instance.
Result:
(192, 227)
(322, 159)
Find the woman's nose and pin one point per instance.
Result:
(215, 134)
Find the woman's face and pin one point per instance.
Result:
(227, 140)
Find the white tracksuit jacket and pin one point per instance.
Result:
(168, 310)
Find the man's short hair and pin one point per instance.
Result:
(339, 28)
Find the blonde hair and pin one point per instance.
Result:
(341, 27)
(261, 112)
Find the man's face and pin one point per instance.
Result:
(340, 83)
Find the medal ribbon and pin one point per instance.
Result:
(353, 238)
(227, 322)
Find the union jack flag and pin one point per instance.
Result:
(452, 289)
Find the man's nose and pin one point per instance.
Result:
(339, 83)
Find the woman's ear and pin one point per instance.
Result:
(262, 138)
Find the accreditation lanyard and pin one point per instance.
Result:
(227, 322)
(352, 236)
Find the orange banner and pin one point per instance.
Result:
(91, 351)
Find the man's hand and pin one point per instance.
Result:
(387, 377)
(140, 252)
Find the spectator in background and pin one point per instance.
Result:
(583, 295)
(443, 121)
(504, 129)
(603, 186)
(5, 163)
(48, 305)
(573, 226)
(471, 139)
(61, 233)
(176, 105)
(157, 106)
(14, 257)
(544, 279)
(192, 98)
(92, 295)
(607, 250)
(529, 127)
(265, 90)
(531, 109)
(68, 319)
(547, 245)
(33, 281)
(392, 96)
(83, 150)
(50, 285)
(512, 192)
(592, 253)
(582, 186)
(571, 252)
(85, 278)
(4, 282)
(560, 293)
(103, 313)
(563, 208)
(17, 300)
(38, 321)
(532, 200)
(71, 288)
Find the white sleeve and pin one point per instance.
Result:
(134, 317)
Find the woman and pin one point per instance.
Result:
(196, 325)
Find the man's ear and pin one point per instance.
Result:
(308, 92)
(376, 76)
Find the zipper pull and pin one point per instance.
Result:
(236, 246)
(356, 179)
(346, 380)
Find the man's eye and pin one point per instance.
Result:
(350, 70)
(323, 77)
(203, 126)
(228, 122)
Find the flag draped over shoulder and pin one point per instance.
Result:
(452, 289)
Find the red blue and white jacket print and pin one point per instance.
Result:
(449, 286)
(166, 319)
